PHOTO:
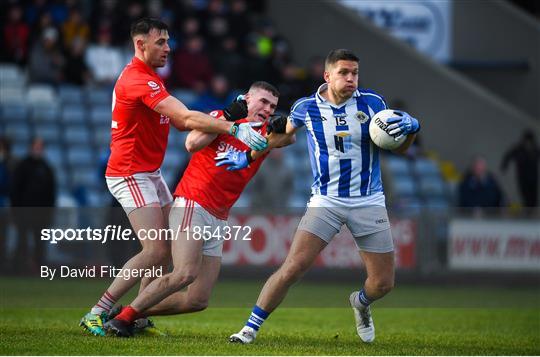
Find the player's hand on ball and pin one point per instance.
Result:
(236, 110)
(234, 159)
(277, 124)
(402, 125)
(246, 134)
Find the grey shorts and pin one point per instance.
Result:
(187, 214)
(369, 226)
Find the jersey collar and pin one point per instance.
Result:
(137, 62)
(320, 99)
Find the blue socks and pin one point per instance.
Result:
(257, 318)
(363, 299)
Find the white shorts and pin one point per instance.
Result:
(368, 224)
(139, 190)
(187, 214)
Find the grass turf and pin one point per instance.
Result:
(40, 317)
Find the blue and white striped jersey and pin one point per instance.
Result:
(344, 161)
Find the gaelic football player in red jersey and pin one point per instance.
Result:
(203, 199)
(141, 111)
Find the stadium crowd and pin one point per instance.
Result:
(225, 44)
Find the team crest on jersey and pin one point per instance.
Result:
(361, 117)
(153, 85)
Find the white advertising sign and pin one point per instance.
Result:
(494, 245)
(424, 24)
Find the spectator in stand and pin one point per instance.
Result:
(105, 61)
(15, 34)
(35, 10)
(46, 59)
(526, 157)
(229, 62)
(6, 173)
(217, 30)
(125, 16)
(75, 29)
(43, 23)
(33, 195)
(315, 72)
(290, 86)
(239, 21)
(479, 188)
(217, 96)
(59, 11)
(192, 68)
(102, 17)
(256, 66)
(75, 70)
(263, 38)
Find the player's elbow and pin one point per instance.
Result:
(187, 117)
(191, 146)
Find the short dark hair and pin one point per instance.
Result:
(145, 25)
(265, 86)
(340, 55)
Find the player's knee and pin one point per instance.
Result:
(384, 286)
(198, 304)
(157, 255)
(183, 278)
(293, 271)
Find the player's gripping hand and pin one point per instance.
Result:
(402, 125)
(245, 133)
(234, 159)
(236, 110)
(277, 124)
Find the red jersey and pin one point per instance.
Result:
(139, 134)
(212, 187)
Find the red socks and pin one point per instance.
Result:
(128, 315)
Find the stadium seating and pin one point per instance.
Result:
(70, 94)
(72, 114)
(18, 131)
(98, 96)
(77, 134)
(100, 114)
(45, 112)
(10, 95)
(41, 94)
(14, 112)
(50, 133)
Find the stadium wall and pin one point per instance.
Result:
(503, 53)
(460, 119)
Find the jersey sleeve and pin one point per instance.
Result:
(149, 91)
(297, 117)
(375, 100)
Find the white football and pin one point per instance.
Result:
(377, 130)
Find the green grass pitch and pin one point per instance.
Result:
(40, 317)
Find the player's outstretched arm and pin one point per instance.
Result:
(278, 139)
(234, 160)
(182, 118)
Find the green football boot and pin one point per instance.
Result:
(94, 323)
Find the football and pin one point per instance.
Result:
(377, 130)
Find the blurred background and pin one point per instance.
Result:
(465, 198)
